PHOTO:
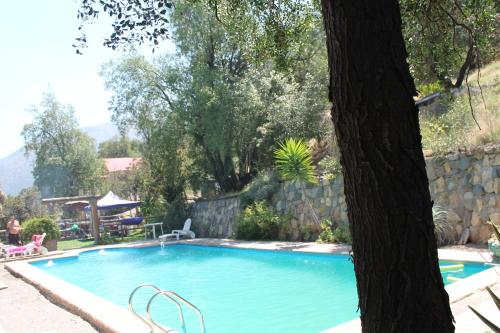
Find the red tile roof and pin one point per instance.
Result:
(121, 163)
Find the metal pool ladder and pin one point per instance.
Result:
(172, 297)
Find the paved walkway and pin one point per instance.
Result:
(25, 310)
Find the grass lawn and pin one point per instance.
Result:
(78, 244)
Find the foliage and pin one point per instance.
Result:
(66, 162)
(443, 229)
(262, 188)
(429, 88)
(496, 232)
(448, 130)
(334, 233)
(26, 205)
(326, 234)
(293, 161)
(176, 214)
(490, 324)
(342, 234)
(258, 221)
(445, 39)
(209, 114)
(120, 147)
(40, 225)
(330, 166)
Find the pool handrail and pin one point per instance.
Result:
(169, 294)
(149, 321)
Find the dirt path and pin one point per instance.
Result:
(25, 310)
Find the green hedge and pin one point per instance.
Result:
(40, 225)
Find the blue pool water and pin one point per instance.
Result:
(237, 290)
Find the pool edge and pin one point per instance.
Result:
(456, 291)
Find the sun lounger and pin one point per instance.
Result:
(185, 232)
(35, 246)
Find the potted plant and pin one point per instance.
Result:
(40, 225)
(494, 242)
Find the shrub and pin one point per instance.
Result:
(261, 188)
(330, 166)
(326, 234)
(257, 221)
(443, 229)
(40, 225)
(334, 233)
(341, 234)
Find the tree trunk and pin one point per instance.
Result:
(389, 206)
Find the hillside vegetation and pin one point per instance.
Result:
(459, 120)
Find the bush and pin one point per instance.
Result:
(326, 234)
(40, 225)
(261, 188)
(341, 234)
(443, 229)
(257, 222)
(330, 166)
(334, 233)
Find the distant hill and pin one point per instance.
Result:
(15, 169)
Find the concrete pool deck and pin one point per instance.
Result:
(108, 317)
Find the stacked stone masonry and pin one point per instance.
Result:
(466, 183)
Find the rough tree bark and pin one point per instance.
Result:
(389, 206)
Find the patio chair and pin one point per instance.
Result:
(35, 246)
(185, 232)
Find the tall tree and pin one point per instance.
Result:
(390, 211)
(399, 284)
(66, 161)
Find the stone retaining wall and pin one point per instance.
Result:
(467, 184)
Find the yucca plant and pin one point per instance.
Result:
(443, 229)
(294, 163)
(485, 320)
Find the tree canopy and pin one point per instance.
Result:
(65, 158)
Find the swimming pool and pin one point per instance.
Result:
(237, 290)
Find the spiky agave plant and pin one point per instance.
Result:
(485, 320)
(294, 163)
(443, 229)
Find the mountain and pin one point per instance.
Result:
(15, 169)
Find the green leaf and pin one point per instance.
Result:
(494, 327)
(294, 161)
(495, 297)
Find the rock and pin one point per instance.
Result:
(479, 204)
(464, 237)
(439, 185)
(476, 179)
(454, 200)
(497, 160)
(475, 219)
(484, 233)
(430, 171)
(464, 163)
(459, 228)
(495, 218)
(496, 187)
(474, 233)
(451, 185)
(447, 167)
(489, 187)
(469, 200)
(453, 217)
(477, 189)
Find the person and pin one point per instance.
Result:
(13, 230)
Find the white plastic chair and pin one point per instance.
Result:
(185, 232)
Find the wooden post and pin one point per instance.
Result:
(95, 220)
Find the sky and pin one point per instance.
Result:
(36, 38)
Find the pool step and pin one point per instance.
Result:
(172, 297)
